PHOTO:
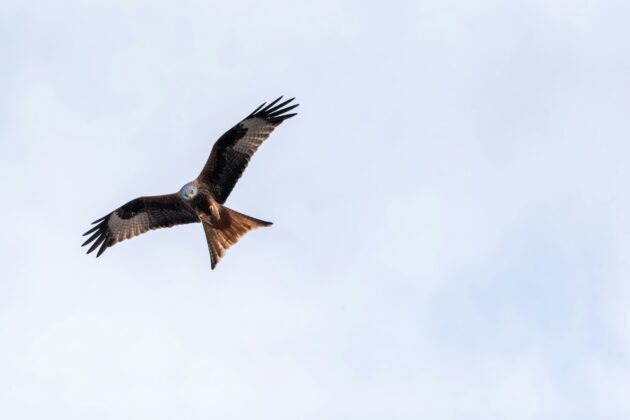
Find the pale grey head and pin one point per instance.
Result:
(188, 191)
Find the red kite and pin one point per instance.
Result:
(202, 199)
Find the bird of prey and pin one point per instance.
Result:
(200, 200)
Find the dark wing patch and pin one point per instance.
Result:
(232, 152)
(136, 217)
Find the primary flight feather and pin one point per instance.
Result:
(200, 200)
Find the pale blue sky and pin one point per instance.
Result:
(451, 207)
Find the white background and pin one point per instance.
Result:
(451, 209)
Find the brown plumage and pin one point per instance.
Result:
(202, 199)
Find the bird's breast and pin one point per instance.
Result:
(207, 208)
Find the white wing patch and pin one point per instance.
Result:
(257, 131)
(128, 228)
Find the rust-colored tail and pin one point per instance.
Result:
(227, 231)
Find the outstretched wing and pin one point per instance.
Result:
(232, 152)
(136, 217)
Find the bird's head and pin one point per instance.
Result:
(188, 191)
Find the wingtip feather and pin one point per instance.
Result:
(271, 110)
(100, 220)
(91, 238)
(95, 228)
(273, 103)
(102, 249)
(257, 109)
(282, 111)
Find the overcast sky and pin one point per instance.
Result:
(451, 209)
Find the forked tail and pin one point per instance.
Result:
(227, 231)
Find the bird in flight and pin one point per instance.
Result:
(200, 200)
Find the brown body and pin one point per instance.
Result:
(223, 226)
